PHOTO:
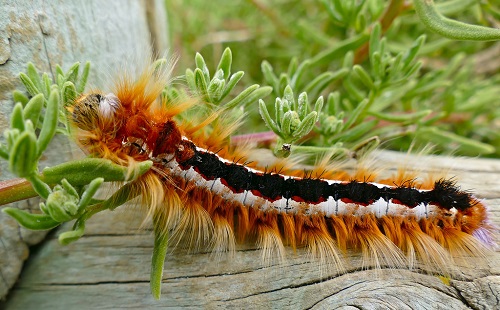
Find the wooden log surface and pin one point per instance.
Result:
(47, 33)
(109, 268)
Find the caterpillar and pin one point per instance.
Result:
(203, 198)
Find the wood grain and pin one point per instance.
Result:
(109, 268)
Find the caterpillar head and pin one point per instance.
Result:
(94, 110)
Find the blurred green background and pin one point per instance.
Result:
(450, 100)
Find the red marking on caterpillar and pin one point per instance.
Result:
(205, 196)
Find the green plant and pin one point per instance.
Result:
(420, 83)
(68, 188)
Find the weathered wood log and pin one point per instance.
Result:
(47, 33)
(109, 268)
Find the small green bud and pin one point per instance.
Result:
(62, 205)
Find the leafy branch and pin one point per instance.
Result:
(69, 188)
(214, 90)
(450, 28)
(293, 119)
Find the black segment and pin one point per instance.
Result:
(311, 190)
(273, 186)
(365, 193)
(270, 186)
(447, 195)
(408, 196)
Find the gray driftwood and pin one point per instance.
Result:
(46, 33)
(109, 268)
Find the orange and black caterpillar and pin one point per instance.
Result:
(204, 199)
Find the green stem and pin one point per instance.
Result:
(337, 152)
(15, 190)
(450, 28)
(393, 10)
(78, 173)
(122, 195)
(158, 261)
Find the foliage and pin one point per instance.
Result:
(387, 74)
(68, 188)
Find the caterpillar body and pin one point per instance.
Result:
(206, 200)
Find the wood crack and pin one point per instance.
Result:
(45, 43)
(304, 284)
(463, 299)
(97, 283)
